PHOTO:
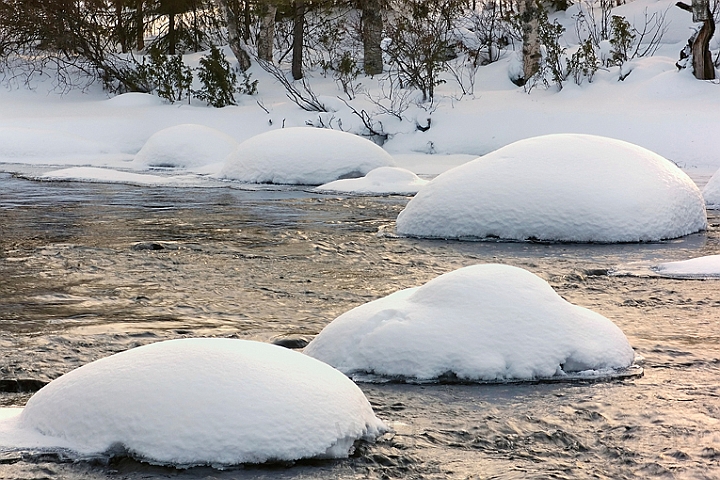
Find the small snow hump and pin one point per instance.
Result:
(563, 187)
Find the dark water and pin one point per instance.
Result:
(87, 270)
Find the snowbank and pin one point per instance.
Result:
(563, 187)
(483, 323)
(195, 402)
(304, 156)
(711, 192)
(185, 146)
(708, 266)
(33, 144)
(380, 181)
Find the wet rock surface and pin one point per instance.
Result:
(280, 265)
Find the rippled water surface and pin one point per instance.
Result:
(87, 270)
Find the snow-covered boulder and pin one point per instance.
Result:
(303, 156)
(563, 187)
(711, 192)
(708, 266)
(479, 323)
(380, 181)
(188, 146)
(198, 402)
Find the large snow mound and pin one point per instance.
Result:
(196, 402)
(303, 156)
(563, 187)
(479, 323)
(380, 181)
(711, 192)
(185, 146)
(708, 266)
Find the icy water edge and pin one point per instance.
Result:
(87, 270)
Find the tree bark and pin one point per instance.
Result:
(529, 14)
(236, 44)
(372, 25)
(298, 39)
(140, 24)
(171, 33)
(266, 36)
(703, 67)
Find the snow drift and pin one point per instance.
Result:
(303, 156)
(479, 323)
(198, 401)
(700, 267)
(563, 187)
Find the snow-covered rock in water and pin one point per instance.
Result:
(711, 192)
(479, 323)
(303, 156)
(380, 181)
(187, 146)
(198, 402)
(563, 187)
(708, 266)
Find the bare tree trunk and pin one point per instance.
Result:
(236, 43)
(703, 67)
(247, 20)
(140, 24)
(120, 26)
(529, 15)
(266, 36)
(372, 25)
(298, 39)
(171, 33)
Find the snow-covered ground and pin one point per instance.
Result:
(657, 107)
(483, 323)
(197, 402)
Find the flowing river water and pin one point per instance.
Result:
(87, 270)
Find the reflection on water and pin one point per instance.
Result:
(88, 269)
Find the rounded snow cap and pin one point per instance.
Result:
(564, 187)
(185, 146)
(204, 402)
(487, 323)
(303, 156)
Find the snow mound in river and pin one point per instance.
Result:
(303, 156)
(185, 146)
(380, 181)
(479, 323)
(563, 187)
(196, 402)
